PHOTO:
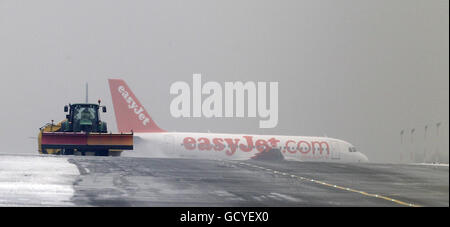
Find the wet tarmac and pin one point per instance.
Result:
(124, 181)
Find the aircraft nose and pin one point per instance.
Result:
(363, 158)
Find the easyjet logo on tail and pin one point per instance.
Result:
(132, 105)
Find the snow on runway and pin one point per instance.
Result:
(124, 181)
(36, 181)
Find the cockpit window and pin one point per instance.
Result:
(352, 149)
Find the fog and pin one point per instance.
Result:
(360, 71)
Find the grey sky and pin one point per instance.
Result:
(355, 70)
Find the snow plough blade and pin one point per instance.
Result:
(100, 143)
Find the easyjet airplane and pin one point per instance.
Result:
(148, 137)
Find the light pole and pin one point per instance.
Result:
(412, 145)
(437, 128)
(437, 142)
(401, 145)
(425, 144)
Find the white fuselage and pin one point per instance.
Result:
(152, 141)
(242, 147)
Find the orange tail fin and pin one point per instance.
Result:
(130, 113)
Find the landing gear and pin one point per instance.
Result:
(271, 155)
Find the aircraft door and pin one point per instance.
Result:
(335, 151)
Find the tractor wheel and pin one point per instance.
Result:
(102, 153)
(67, 152)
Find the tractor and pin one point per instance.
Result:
(82, 132)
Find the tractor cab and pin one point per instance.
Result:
(83, 117)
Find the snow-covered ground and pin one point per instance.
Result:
(36, 180)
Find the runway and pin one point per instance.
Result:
(126, 181)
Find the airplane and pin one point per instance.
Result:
(153, 141)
